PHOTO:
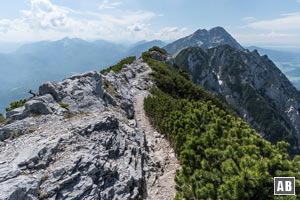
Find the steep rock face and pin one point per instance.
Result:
(205, 39)
(251, 84)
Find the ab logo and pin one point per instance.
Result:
(284, 185)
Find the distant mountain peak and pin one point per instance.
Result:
(142, 46)
(66, 41)
(205, 39)
(66, 38)
(69, 39)
(214, 30)
(200, 32)
(218, 29)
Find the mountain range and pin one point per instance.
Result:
(142, 46)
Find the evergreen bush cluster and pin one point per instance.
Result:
(16, 104)
(64, 105)
(117, 68)
(1, 119)
(220, 155)
(158, 49)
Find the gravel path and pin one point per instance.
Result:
(163, 162)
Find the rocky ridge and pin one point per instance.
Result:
(87, 137)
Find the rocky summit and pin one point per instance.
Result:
(205, 39)
(87, 137)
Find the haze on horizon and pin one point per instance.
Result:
(273, 23)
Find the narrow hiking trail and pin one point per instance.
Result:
(160, 183)
(163, 163)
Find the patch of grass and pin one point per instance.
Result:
(16, 104)
(1, 120)
(44, 178)
(117, 68)
(109, 88)
(69, 115)
(15, 134)
(64, 105)
(34, 114)
(8, 121)
(31, 129)
(25, 173)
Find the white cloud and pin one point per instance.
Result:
(137, 27)
(268, 38)
(286, 22)
(106, 4)
(5, 26)
(44, 15)
(47, 21)
(283, 30)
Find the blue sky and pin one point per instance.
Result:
(255, 22)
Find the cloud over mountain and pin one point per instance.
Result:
(44, 20)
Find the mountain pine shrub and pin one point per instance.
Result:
(220, 155)
(16, 104)
(117, 67)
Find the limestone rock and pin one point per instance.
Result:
(88, 149)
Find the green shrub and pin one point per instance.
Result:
(160, 50)
(15, 134)
(109, 88)
(64, 105)
(44, 178)
(16, 104)
(1, 119)
(220, 155)
(117, 68)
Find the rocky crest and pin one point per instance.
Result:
(252, 85)
(81, 139)
(205, 39)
